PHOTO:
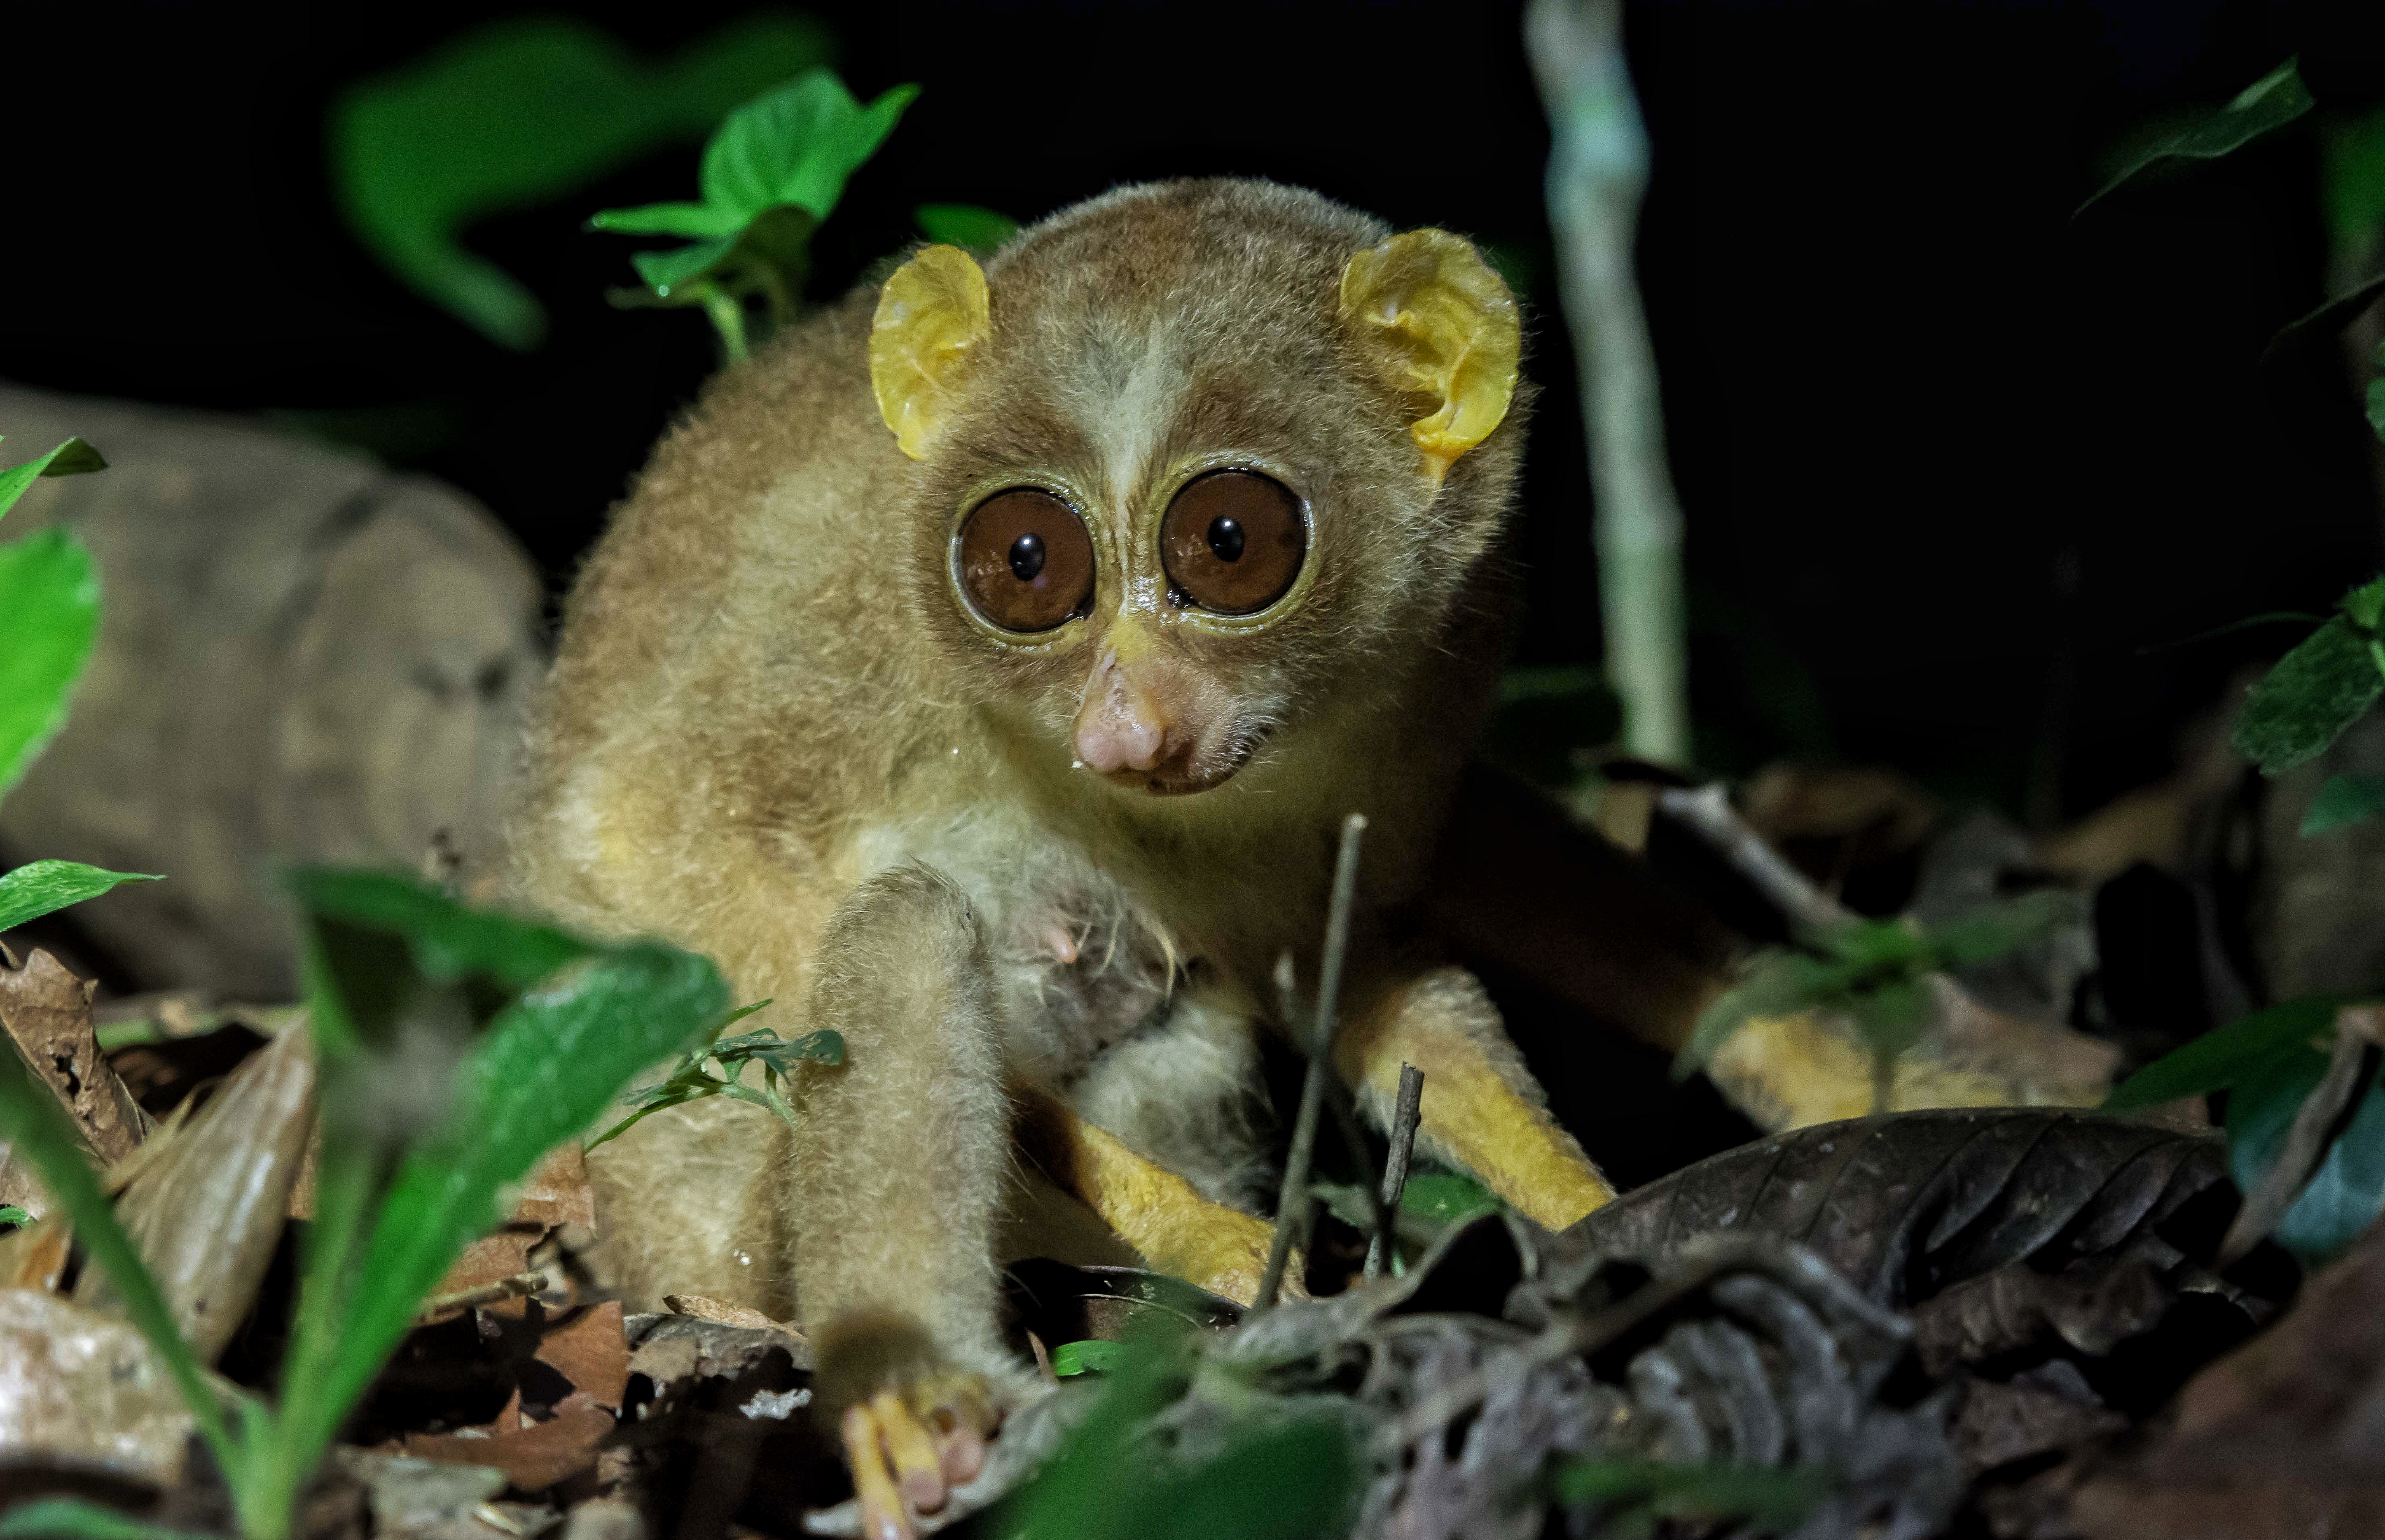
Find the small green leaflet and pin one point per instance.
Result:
(518, 113)
(963, 225)
(2235, 1052)
(2345, 800)
(74, 457)
(792, 149)
(46, 887)
(49, 616)
(1091, 1357)
(689, 1081)
(11, 1214)
(1443, 1198)
(2348, 1189)
(2305, 703)
(2271, 102)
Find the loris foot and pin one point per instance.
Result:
(913, 1428)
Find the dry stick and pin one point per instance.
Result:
(1707, 810)
(1345, 1116)
(1395, 1165)
(519, 1286)
(2357, 1028)
(1292, 1202)
(1598, 172)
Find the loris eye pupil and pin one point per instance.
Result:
(1226, 538)
(1027, 557)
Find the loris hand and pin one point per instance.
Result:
(913, 1427)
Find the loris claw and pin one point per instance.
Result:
(982, 671)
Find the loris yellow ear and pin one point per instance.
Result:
(1443, 330)
(929, 315)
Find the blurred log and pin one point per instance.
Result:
(302, 658)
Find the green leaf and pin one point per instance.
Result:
(520, 113)
(2239, 1051)
(389, 964)
(2271, 102)
(1991, 930)
(797, 144)
(49, 615)
(2376, 405)
(2353, 183)
(74, 457)
(695, 221)
(1774, 1499)
(36, 1129)
(2305, 702)
(2344, 799)
(965, 225)
(1092, 1356)
(11, 1214)
(46, 887)
(1778, 981)
(669, 271)
(2348, 1189)
(2365, 606)
(73, 1519)
(1443, 1197)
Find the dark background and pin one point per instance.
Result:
(1951, 459)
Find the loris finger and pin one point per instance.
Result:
(883, 1517)
(917, 1472)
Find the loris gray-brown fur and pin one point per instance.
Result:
(983, 671)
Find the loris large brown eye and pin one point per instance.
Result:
(1027, 563)
(1233, 541)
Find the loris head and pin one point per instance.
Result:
(1197, 465)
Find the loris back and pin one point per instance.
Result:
(983, 671)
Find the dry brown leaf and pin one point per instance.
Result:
(47, 1010)
(727, 1314)
(534, 1457)
(208, 1211)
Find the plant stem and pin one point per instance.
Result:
(1598, 172)
(727, 319)
(1292, 1200)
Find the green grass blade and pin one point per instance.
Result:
(49, 616)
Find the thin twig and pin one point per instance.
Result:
(2357, 1029)
(1292, 1202)
(1396, 1166)
(521, 1285)
(1707, 810)
(1345, 1115)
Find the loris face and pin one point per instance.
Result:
(1182, 467)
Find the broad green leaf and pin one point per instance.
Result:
(11, 1214)
(542, 1070)
(965, 225)
(49, 615)
(36, 1129)
(520, 113)
(2348, 1189)
(2352, 183)
(73, 1519)
(797, 144)
(2271, 102)
(74, 457)
(2234, 1053)
(1444, 1198)
(46, 887)
(2376, 405)
(2344, 799)
(2305, 702)
(2365, 606)
(1091, 1357)
(695, 221)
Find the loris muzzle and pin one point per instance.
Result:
(982, 670)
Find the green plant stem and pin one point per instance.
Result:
(727, 319)
(1597, 175)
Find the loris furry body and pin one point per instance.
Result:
(777, 734)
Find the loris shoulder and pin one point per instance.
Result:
(982, 670)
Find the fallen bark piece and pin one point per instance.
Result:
(47, 1010)
(77, 1385)
(208, 1211)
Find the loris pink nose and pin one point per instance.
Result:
(1120, 727)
